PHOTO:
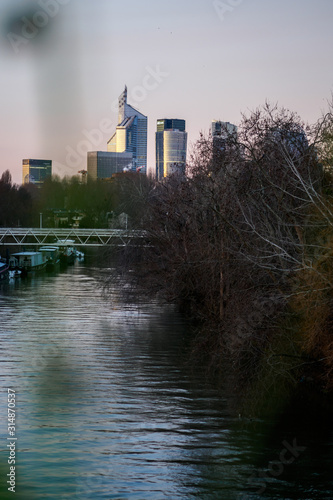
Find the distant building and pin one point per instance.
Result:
(222, 129)
(221, 133)
(103, 164)
(131, 134)
(36, 171)
(171, 145)
(83, 176)
(295, 142)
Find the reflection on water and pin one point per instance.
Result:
(109, 408)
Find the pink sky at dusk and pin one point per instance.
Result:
(193, 59)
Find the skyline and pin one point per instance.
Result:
(198, 61)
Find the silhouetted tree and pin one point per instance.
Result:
(230, 239)
(15, 203)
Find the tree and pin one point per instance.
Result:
(241, 236)
(6, 178)
(130, 191)
(15, 203)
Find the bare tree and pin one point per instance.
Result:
(242, 238)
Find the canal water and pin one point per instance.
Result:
(108, 407)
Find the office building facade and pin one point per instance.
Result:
(171, 147)
(103, 164)
(223, 129)
(36, 171)
(222, 135)
(131, 134)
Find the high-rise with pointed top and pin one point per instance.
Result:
(131, 134)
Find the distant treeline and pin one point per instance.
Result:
(94, 202)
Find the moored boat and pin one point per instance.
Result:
(51, 254)
(67, 252)
(4, 270)
(27, 262)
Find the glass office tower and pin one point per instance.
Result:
(36, 171)
(131, 134)
(223, 129)
(222, 132)
(171, 146)
(103, 164)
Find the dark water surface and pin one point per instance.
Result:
(109, 408)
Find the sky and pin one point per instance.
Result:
(65, 62)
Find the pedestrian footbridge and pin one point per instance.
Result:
(81, 237)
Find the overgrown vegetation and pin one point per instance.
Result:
(244, 243)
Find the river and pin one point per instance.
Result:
(108, 407)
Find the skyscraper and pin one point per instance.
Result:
(36, 171)
(222, 133)
(222, 129)
(131, 134)
(171, 145)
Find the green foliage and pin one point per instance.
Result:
(94, 202)
(130, 193)
(52, 194)
(71, 194)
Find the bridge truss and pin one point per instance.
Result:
(82, 237)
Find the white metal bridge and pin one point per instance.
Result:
(81, 237)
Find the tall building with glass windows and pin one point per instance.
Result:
(131, 134)
(171, 146)
(222, 132)
(36, 171)
(222, 129)
(105, 164)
